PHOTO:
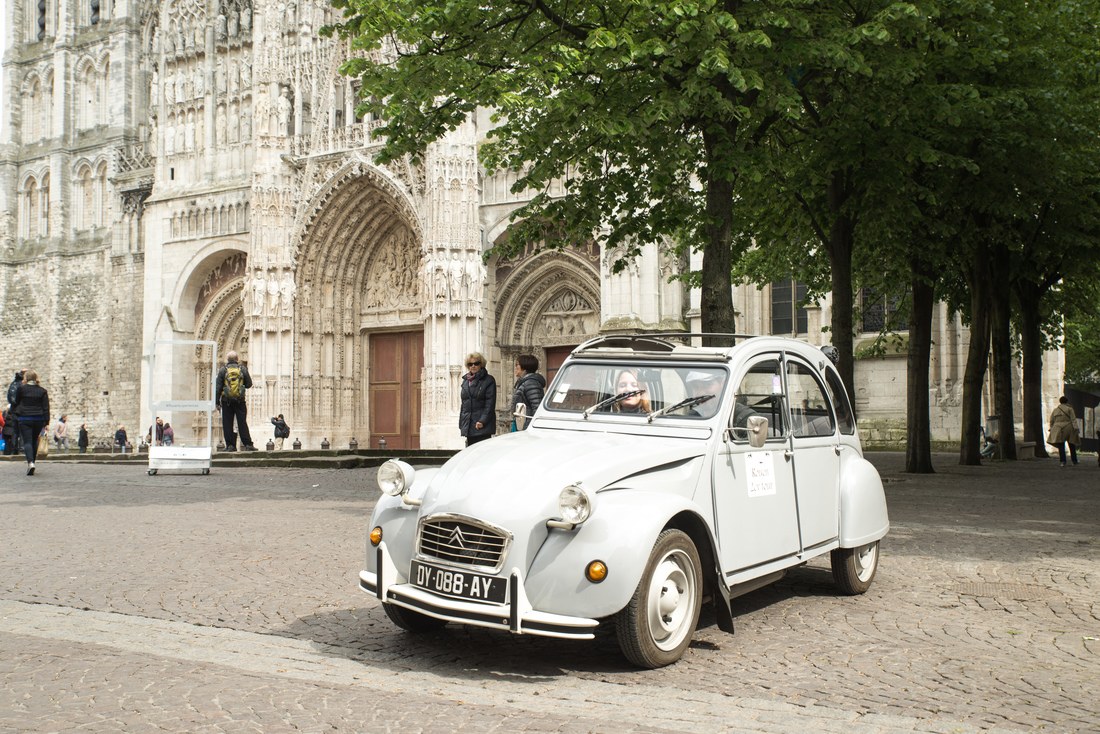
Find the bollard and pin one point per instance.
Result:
(270, 444)
(297, 445)
(353, 444)
(324, 444)
(382, 443)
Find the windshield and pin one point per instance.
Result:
(634, 389)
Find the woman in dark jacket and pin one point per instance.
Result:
(9, 433)
(477, 417)
(82, 442)
(32, 405)
(530, 386)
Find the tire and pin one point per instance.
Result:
(411, 621)
(205, 472)
(854, 568)
(152, 472)
(655, 627)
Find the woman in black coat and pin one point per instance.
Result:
(82, 442)
(32, 405)
(530, 386)
(477, 417)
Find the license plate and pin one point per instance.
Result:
(459, 584)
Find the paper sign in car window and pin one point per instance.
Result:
(760, 472)
(562, 392)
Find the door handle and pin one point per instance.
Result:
(836, 449)
(788, 454)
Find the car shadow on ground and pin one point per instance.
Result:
(369, 637)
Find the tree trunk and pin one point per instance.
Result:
(840, 245)
(918, 446)
(976, 358)
(716, 302)
(1001, 335)
(1031, 338)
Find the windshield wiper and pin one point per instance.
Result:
(612, 400)
(685, 403)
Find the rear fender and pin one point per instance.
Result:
(863, 515)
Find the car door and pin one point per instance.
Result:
(756, 515)
(816, 447)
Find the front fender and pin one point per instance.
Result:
(398, 523)
(863, 515)
(621, 533)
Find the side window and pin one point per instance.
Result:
(840, 401)
(810, 412)
(761, 393)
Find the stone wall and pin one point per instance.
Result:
(76, 320)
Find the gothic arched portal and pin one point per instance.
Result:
(547, 303)
(358, 274)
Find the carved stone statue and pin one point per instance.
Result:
(273, 296)
(282, 112)
(259, 295)
(220, 28)
(286, 296)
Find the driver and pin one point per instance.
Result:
(705, 383)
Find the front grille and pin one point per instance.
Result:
(462, 542)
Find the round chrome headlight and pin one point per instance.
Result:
(395, 477)
(575, 504)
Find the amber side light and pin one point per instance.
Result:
(596, 571)
(376, 536)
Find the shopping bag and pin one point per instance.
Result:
(43, 446)
(520, 416)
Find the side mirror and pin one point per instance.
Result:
(755, 431)
(758, 430)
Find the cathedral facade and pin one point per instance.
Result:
(189, 177)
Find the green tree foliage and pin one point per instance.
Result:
(647, 112)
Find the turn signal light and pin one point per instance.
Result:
(376, 536)
(596, 571)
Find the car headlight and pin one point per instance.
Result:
(575, 504)
(395, 477)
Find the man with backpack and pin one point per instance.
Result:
(233, 381)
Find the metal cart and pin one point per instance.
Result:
(183, 457)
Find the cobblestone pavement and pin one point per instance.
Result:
(229, 603)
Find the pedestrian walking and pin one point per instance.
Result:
(1063, 429)
(61, 433)
(9, 432)
(232, 384)
(528, 391)
(168, 435)
(16, 445)
(82, 438)
(477, 416)
(120, 438)
(32, 406)
(282, 431)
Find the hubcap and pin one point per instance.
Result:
(866, 558)
(671, 600)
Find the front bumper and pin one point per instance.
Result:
(515, 615)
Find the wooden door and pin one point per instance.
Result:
(555, 357)
(396, 361)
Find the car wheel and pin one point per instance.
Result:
(854, 568)
(411, 621)
(656, 625)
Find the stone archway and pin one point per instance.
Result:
(358, 273)
(220, 318)
(547, 301)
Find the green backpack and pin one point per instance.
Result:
(233, 388)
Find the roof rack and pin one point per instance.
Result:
(660, 340)
(659, 346)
